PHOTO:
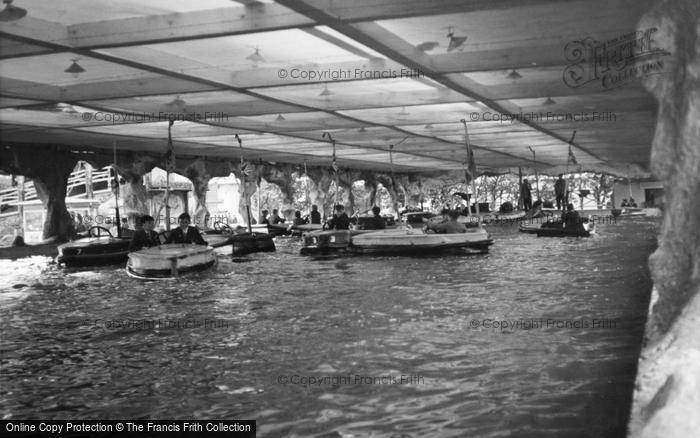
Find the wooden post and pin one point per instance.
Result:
(20, 199)
(88, 181)
(520, 188)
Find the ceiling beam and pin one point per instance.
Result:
(223, 86)
(390, 45)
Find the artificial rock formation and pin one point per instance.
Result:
(667, 395)
(197, 173)
(281, 175)
(50, 175)
(248, 186)
(133, 192)
(322, 178)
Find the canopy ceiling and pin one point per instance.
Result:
(385, 75)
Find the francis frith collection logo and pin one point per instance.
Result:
(614, 62)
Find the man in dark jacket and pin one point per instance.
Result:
(184, 233)
(315, 215)
(560, 192)
(526, 194)
(340, 220)
(144, 236)
(376, 222)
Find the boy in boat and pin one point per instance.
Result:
(340, 220)
(263, 218)
(315, 215)
(184, 233)
(451, 226)
(144, 236)
(298, 220)
(376, 222)
(275, 218)
(571, 218)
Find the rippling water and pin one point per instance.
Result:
(244, 340)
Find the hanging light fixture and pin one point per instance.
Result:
(326, 91)
(176, 104)
(514, 75)
(549, 101)
(429, 126)
(11, 13)
(455, 42)
(280, 118)
(427, 46)
(75, 69)
(362, 129)
(256, 57)
(403, 111)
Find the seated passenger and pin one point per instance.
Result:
(340, 220)
(315, 215)
(275, 218)
(144, 236)
(571, 218)
(298, 220)
(376, 222)
(451, 226)
(624, 203)
(263, 218)
(184, 233)
(632, 203)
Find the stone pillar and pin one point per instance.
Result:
(346, 179)
(667, 392)
(282, 175)
(322, 179)
(371, 188)
(50, 175)
(246, 190)
(198, 174)
(386, 181)
(133, 193)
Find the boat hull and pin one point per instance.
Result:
(97, 251)
(246, 243)
(413, 241)
(169, 261)
(394, 242)
(217, 240)
(555, 229)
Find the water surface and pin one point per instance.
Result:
(339, 347)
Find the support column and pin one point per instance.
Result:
(346, 179)
(282, 175)
(50, 175)
(133, 193)
(385, 180)
(200, 177)
(322, 179)
(247, 190)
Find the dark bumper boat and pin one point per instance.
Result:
(326, 242)
(246, 243)
(94, 251)
(559, 229)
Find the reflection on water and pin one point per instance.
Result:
(499, 345)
